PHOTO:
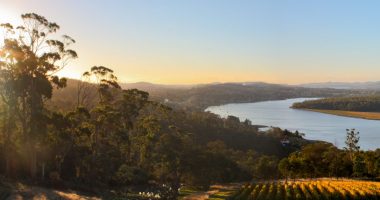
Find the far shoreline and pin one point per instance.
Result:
(343, 113)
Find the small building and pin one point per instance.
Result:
(285, 142)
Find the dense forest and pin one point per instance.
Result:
(110, 137)
(354, 103)
(98, 137)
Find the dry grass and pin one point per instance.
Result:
(24, 192)
(363, 115)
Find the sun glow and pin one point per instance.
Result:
(7, 16)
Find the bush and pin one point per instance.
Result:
(130, 175)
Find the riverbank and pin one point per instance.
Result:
(354, 114)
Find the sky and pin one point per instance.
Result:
(204, 41)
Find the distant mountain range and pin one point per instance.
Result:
(151, 86)
(370, 85)
(203, 95)
(375, 85)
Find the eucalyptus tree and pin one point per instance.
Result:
(104, 80)
(30, 57)
(352, 142)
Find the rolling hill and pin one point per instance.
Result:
(199, 97)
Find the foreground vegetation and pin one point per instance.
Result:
(110, 139)
(309, 189)
(325, 160)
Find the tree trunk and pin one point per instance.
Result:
(43, 171)
(77, 172)
(8, 143)
(30, 150)
(32, 160)
(7, 155)
(7, 163)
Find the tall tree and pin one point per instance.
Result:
(352, 142)
(30, 58)
(104, 80)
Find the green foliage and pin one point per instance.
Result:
(352, 140)
(266, 167)
(325, 160)
(359, 166)
(126, 175)
(351, 103)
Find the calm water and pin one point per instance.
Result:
(316, 126)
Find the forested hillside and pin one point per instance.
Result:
(213, 143)
(374, 85)
(355, 103)
(97, 136)
(209, 95)
(199, 97)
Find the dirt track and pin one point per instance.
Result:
(37, 193)
(201, 195)
(213, 190)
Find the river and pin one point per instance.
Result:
(316, 126)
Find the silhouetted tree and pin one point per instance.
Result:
(30, 57)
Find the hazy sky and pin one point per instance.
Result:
(201, 41)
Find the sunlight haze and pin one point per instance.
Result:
(189, 99)
(217, 41)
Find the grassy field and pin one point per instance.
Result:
(215, 192)
(308, 189)
(188, 191)
(363, 115)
